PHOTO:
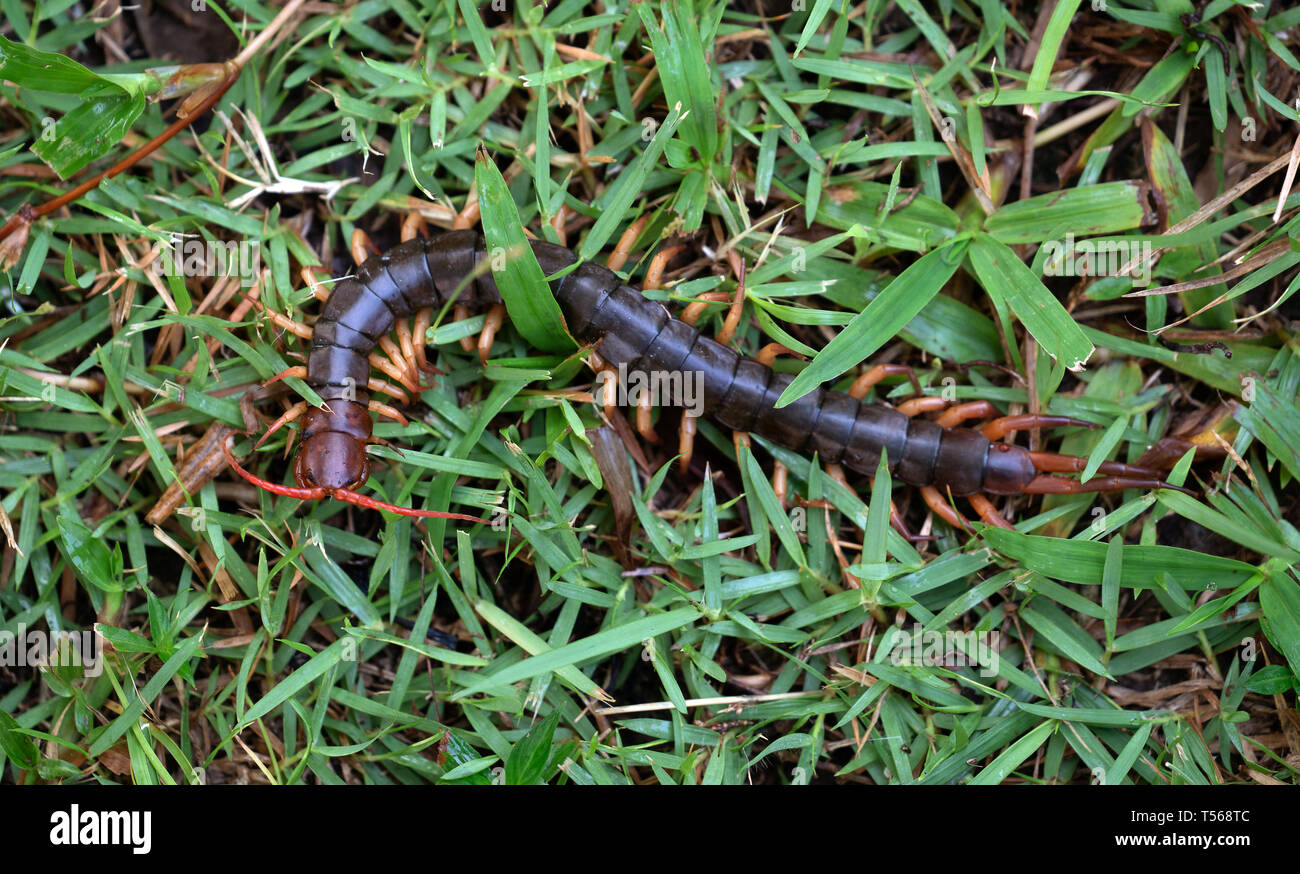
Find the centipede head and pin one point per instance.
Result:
(333, 451)
(332, 461)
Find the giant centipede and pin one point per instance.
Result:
(629, 329)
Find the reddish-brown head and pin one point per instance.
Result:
(332, 461)
(333, 453)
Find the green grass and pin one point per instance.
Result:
(862, 167)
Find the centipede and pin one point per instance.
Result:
(627, 328)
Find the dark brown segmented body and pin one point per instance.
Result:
(630, 329)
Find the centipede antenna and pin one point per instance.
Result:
(373, 503)
(288, 491)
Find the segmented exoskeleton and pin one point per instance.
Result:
(629, 329)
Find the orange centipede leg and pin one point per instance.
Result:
(362, 247)
(406, 343)
(732, 321)
(988, 512)
(309, 279)
(999, 428)
(686, 442)
(654, 272)
(559, 222)
(866, 381)
(386, 410)
(298, 329)
(780, 481)
(644, 425)
(469, 214)
(491, 324)
(691, 314)
(423, 319)
(459, 313)
(912, 406)
(934, 500)
(954, 416)
(414, 226)
(401, 373)
(291, 414)
(768, 353)
(623, 248)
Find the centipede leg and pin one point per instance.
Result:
(386, 410)
(999, 428)
(644, 423)
(298, 329)
(933, 498)
(607, 377)
(401, 368)
(406, 343)
(954, 416)
(423, 319)
(318, 291)
(491, 324)
(935, 501)
(623, 248)
(780, 474)
(691, 314)
(768, 353)
(291, 414)
(559, 223)
(414, 226)
(686, 442)
(739, 439)
(866, 381)
(469, 214)
(459, 313)
(654, 272)
(924, 404)
(780, 482)
(988, 512)
(374, 385)
(732, 320)
(361, 246)
(390, 368)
